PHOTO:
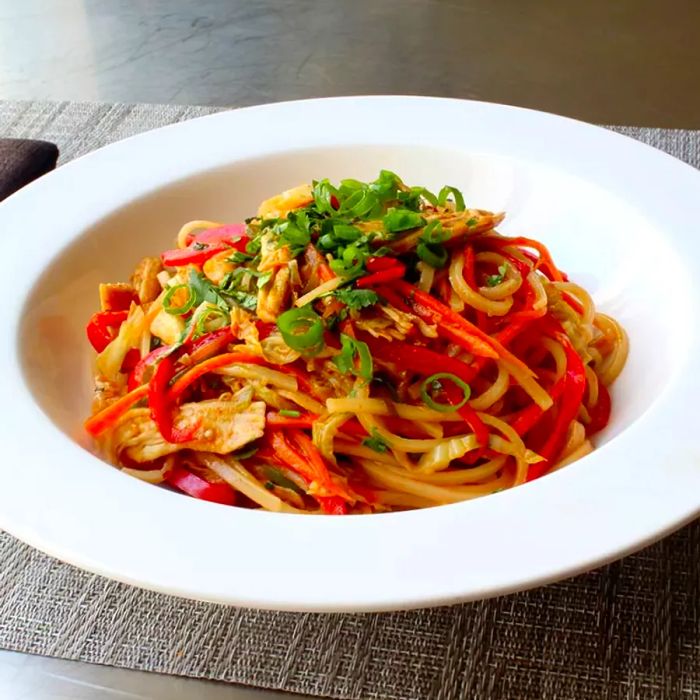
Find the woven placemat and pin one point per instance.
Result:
(629, 630)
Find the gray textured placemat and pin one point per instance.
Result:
(630, 630)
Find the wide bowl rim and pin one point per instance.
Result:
(391, 572)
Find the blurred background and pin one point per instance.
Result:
(622, 62)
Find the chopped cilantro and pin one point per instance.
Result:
(203, 290)
(357, 298)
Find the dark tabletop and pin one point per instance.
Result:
(616, 62)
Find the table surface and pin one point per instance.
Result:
(628, 62)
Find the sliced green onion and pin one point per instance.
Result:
(351, 261)
(412, 198)
(293, 234)
(434, 232)
(347, 233)
(445, 192)
(322, 193)
(432, 383)
(360, 203)
(433, 255)
(289, 413)
(327, 241)
(184, 308)
(386, 185)
(397, 220)
(302, 329)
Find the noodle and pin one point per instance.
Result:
(357, 348)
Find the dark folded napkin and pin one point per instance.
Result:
(22, 161)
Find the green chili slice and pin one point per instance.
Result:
(184, 308)
(433, 383)
(302, 329)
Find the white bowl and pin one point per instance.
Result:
(619, 216)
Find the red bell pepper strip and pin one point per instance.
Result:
(449, 322)
(457, 329)
(416, 358)
(162, 406)
(354, 428)
(572, 395)
(131, 359)
(393, 298)
(195, 486)
(600, 412)
(481, 432)
(207, 244)
(231, 234)
(137, 376)
(395, 272)
(301, 376)
(382, 263)
(264, 329)
(191, 255)
(110, 415)
(305, 420)
(544, 261)
(224, 360)
(103, 327)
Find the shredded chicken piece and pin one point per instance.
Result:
(222, 428)
(393, 324)
(243, 327)
(279, 205)
(327, 381)
(273, 296)
(145, 279)
(272, 255)
(455, 224)
(217, 267)
(275, 350)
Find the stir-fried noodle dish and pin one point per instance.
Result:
(353, 348)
